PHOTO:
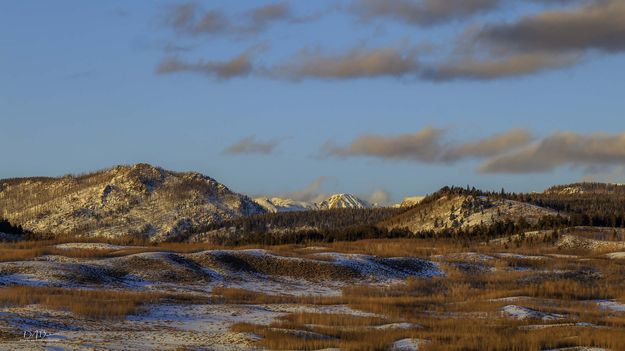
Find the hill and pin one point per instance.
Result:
(586, 188)
(138, 200)
(455, 208)
(587, 204)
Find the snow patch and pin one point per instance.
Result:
(519, 312)
(408, 344)
(611, 305)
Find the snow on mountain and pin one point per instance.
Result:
(343, 201)
(137, 200)
(276, 204)
(588, 189)
(465, 211)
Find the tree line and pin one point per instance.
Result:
(479, 233)
(8, 228)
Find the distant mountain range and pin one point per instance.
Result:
(137, 200)
(277, 204)
(146, 201)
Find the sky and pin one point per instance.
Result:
(383, 99)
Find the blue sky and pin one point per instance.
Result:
(81, 90)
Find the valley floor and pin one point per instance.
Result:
(520, 293)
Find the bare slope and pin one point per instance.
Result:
(125, 200)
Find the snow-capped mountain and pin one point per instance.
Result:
(343, 201)
(125, 200)
(276, 204)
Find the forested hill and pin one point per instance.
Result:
(587, 204)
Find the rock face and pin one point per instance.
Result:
(125, 200)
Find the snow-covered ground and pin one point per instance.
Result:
(407, 344)
(520, 312)
(204, 325)
(611, 305)
(616, 255)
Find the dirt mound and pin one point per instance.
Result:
(265, 263)
(57, 273)
(323, 266)
(159, 267)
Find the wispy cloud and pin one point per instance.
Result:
(471, 68)
(310, 193)
(355, 63)
(192, 19)
(260, 18)
(379, 197)
(553, 39)
(427, 146)
(421, 13)
(189, 18)
(250, 145)
(424, 146)
(490, 146)
(512, 151)
(598, 25)
(561, 149)
(238, 66)
(561, 35)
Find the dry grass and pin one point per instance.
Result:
(461, 312)
(97, 304)
(26, 250)
(247, 297)
(333, 319)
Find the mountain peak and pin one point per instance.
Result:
(343, 200)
